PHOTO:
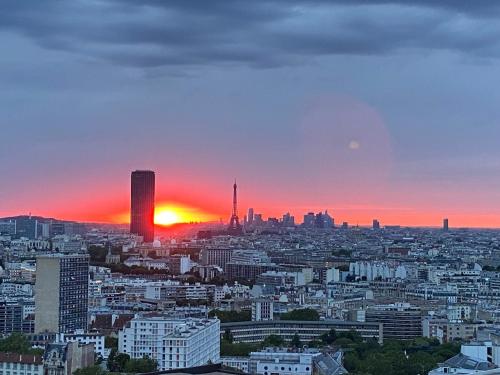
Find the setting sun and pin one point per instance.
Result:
(175, 213)
(165, 216)
(172, 213)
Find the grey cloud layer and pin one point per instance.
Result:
(151, 33)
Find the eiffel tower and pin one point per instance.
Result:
(234, 227)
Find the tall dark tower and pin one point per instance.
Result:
(142, 204)
(234, 222)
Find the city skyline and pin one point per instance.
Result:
(147, 214)
(275, 187)
(313, 105)
(170, 213)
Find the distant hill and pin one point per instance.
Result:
(39, 218)
(51, 219)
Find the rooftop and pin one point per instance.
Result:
(20, 358)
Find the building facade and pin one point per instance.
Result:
(173, 343)
(262, 310)
(12, 318)
(20, 364)
(61, 293)
(254, 332)
(142, 204)
(401, 321)
(65, 358)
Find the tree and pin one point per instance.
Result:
(240, 349)
(142, 365)
(314, 344)
(343, 342)
(395, 357)
(273, 340)
(329, 338)
(117, 361)
(296, 343)
(228, 336)
(92, 370)
(18, 343)
(301, 314)
(111, 342)
(421, 362)
(351, 335)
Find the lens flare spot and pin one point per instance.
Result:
(354, 145)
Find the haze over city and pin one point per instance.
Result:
(369, 110)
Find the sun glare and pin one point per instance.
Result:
(172, 213)
(165, 216)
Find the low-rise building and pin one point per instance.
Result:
(21, 364)
(256, 332)
(282, 362)
(464, 365)
(238, 363)
(86, 338)
(65, 358)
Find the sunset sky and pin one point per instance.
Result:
(379, 110)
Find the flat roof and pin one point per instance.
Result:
(306, 322)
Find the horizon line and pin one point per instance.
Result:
(337, 226)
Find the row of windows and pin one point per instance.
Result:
(20, 366)
(283, 368)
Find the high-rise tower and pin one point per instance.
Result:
(234, 222)
(61, 293)
(142, 204)
(250, 216)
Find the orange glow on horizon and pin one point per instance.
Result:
(172, 213)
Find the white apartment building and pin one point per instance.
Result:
(458, 313)
(373, 270)
(21, 364)
(487, 351)
(219, 294)
(332, 275)
(173, 343)
(262, 310)
(170, 289)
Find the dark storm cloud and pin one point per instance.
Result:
(151, 33)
